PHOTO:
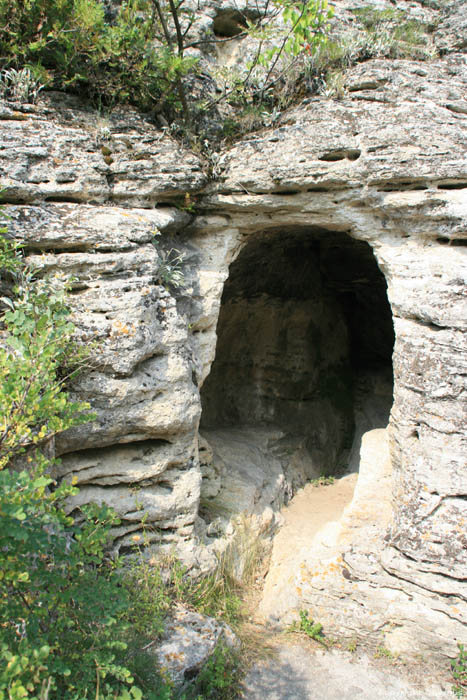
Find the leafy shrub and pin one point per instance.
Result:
(459, 672)
(69, 44)
(140, 56)
(219, 677)
(38, 346)
(62, 603)
(308, 29)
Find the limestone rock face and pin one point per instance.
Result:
(84, 158)
(369, 136)
(452, 31)
(140, 453)
(375, 181)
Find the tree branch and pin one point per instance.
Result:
(174, 12)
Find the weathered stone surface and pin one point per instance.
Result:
(251, 478)
(140, 381)
(300, 670)
(355, 587)
(451, 34)
(150, 477)
(189, 641)
(59, 153)
(370, 136)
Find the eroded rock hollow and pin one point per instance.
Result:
(304, 329)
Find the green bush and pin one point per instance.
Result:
(459, 672)
(284, 49)
(219, 677)
(62, 603)
(70, 45)
(37, 356)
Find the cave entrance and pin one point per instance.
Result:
(303, 367)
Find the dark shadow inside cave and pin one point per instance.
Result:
(305, 340)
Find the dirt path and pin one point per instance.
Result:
(297, 668)
(314, 511)
(316, 523)
(300, 671)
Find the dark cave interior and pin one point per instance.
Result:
(304, 315)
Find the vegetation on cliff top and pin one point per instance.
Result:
(144, 54)
(70, 44)
(141, 55)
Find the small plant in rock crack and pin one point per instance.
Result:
(322, 481)
(312, 629)
(19, 85)
(169, 272)
(459, 672)
(383, 652)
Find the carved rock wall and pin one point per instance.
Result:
(140, 453)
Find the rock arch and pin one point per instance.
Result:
(386, 165)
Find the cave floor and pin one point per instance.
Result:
(317, 522)
(321, 520)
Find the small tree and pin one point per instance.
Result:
(35, 359)
(307, 29)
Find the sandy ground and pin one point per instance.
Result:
(304, 517)
(297, 668)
